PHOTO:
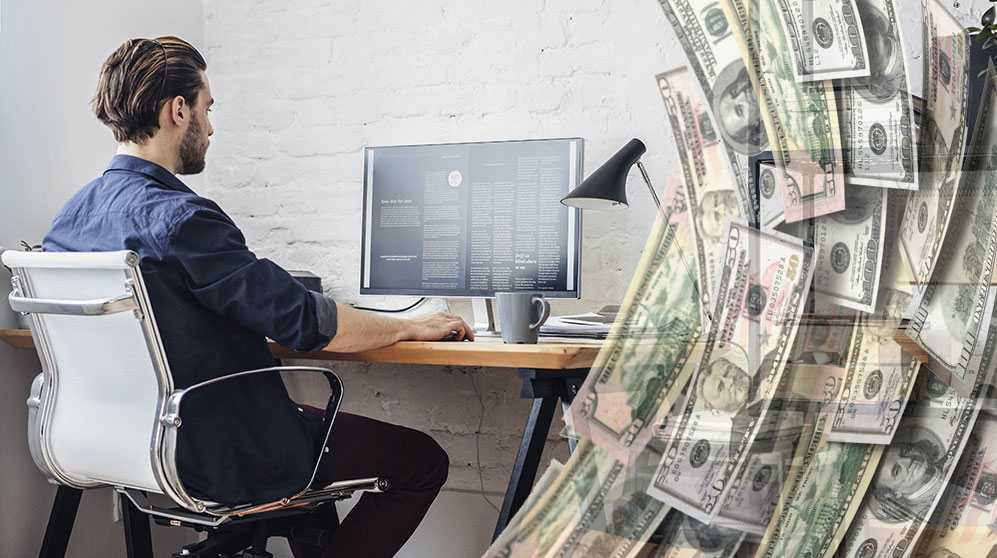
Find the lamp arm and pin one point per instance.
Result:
(647, 181)
(657, 203)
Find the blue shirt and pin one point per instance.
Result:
(215, 303)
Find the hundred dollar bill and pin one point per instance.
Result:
(851, 249)
(825, 334)
(759, 296)
(942, 138)
(880, 373)
(875, 112)
(680, 536)
(913, 471)
(823, 492)
(950, 322)
(702, 29)
(965, 523)
(801, 118)
(654, 344)
(770, 186)
(756, 491)
(825, 38)
(708, 188)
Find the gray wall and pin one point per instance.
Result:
(50, 145)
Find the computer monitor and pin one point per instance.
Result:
(471, 219)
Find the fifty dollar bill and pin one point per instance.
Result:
(759, 297)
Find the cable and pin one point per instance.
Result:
(477, 440)
(391, 311)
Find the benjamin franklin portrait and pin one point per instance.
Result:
(909, 475)
(736, 111)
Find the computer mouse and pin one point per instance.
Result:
(452, 336)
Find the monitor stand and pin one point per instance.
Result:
(484, 317)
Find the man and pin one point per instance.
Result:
(216, 303)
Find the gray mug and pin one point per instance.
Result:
(521, 315)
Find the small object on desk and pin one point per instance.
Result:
(521, 315)
(592, 325)
(452, 336)
(559, 326)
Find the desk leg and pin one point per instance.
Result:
(568, 391)
(527, 460)
(60, 522)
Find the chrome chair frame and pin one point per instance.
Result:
(163, 444)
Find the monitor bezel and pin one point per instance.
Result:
(477, 293)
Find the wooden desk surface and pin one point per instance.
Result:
(550, 353)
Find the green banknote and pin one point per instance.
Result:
(653, 346)
(801, 118)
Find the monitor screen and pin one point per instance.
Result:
(471, 219)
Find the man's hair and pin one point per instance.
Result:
(139, 78)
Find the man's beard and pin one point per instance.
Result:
(191, 150)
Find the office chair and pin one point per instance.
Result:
(104, 411)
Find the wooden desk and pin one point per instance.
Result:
(552, 371)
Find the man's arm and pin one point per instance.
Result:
(358, 330)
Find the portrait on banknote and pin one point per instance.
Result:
(909, 475)
(738, 114)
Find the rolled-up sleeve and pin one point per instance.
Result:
(225, 276)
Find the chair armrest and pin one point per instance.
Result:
(171, 418)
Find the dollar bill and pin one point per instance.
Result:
(941, 140)
(800, 118)
(540, 487)
(702, 30)
(825, 38)
(708, 188)
(875, 112)
(823, 492)
(880, 373)
(770, 186)
(951, 318)
(654, 344)
(619, 519)
(825, 333)
(757, 487)
(680, 536)
(759, 297)
(851, 249)
(553, 510)
(913, 471)
(965, 523)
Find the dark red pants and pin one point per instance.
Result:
(416, 468)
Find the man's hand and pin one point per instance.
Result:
(358, 330)
(436, 326)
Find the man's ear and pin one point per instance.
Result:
(176, 111)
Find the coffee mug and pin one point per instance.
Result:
(521, 315)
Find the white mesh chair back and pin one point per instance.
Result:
(105, 375)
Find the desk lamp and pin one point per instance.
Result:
(606, 188)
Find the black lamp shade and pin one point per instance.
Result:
(606, 188)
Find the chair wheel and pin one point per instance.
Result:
(250, 554)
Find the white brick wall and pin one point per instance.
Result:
(301, 87)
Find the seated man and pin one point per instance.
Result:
(216, 303)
